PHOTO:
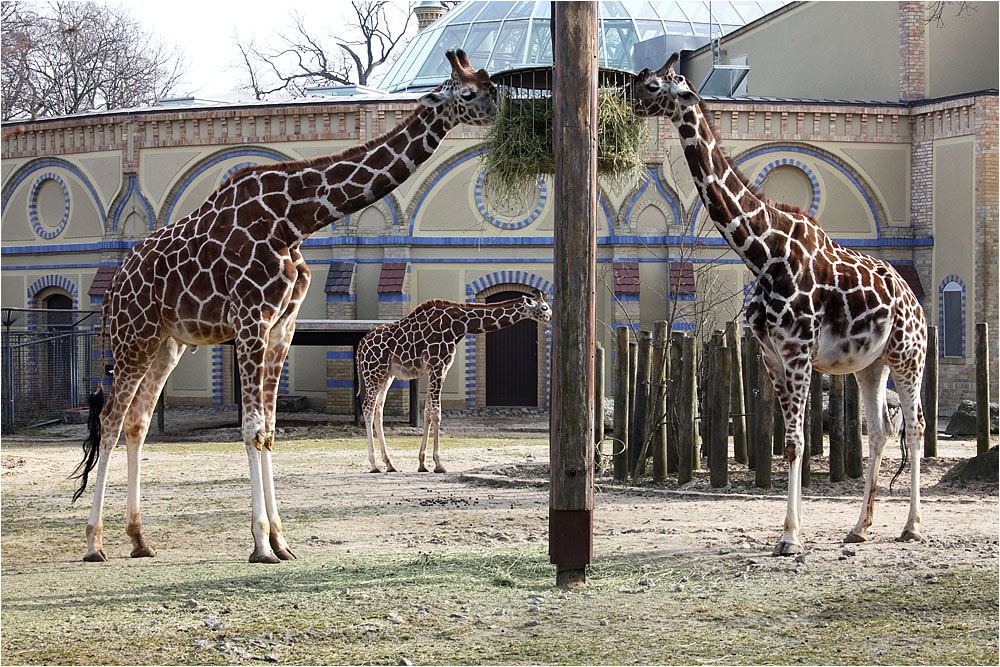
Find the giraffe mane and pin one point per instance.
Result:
(444, 303)
(754, 190)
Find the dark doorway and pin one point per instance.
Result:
(57, 363)
(512, 361)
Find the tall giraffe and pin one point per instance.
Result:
(817, 304)
(234, 269)
(424, 343)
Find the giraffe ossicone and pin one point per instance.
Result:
(233, 269)
(817, 305)
(424, 343)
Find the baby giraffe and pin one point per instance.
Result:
(424, 343)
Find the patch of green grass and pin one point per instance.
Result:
(476, 605)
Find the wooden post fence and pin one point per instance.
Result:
(836, 428)
(686, 443)
(816, 416)
(982, 388)
(599, 405)
(638, 438)
(673, 397)
(736, 397)
(753, 393)
(764, 409)
(720, 388)
(658, 406)
(623, 377)
(853, 458)
(931, 394)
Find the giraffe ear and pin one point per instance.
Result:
(433, 99)
(688, 98)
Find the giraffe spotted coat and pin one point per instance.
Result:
(233, 269)
(817, 305)
(424, 343)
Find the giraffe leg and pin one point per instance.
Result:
(791, 386)
(380, 428)
(279, 341)
(126, 383)
(427, 429)
(871, 381)
(370, 408)
(913, 420)
(136, 426)
(250, 349)
(433, 409)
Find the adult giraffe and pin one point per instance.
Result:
(233, 269)
(424, 343)
(817, 304)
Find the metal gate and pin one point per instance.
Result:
(48, 364)
(512, 361)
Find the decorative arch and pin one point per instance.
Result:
(27, 170)
(801, 166)
(52, 280)
(947, 310)
(475, 346)
(539, 205)
(857, 180)
(634, 204)
(188, 177)
(130, 198)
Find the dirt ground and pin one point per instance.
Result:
(491, 507)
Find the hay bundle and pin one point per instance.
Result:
(518, 143)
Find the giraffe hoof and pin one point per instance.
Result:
(284, 554)
(910, 536)
(391, 468)
(375, 469)
(97, 557)
(854, 538)
(422, 468)
(143, 551)
(787, 549)
(440, 469)
(266, 557)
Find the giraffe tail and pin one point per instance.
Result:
(92, 444)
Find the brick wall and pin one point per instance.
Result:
(987, 232)
(912, 51)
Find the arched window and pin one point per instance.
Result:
(951, 313)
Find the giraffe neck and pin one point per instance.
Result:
(484, 318)
(323, 190)
(743, 218)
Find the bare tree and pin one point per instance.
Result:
(306, 58)
(935, 11)
(65, 57)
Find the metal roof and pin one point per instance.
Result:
(501, 35)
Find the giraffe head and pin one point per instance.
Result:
(664, 92)
(536, 307)
(468, 96)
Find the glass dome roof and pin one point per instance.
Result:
(500, 35)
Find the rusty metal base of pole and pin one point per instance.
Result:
(571, 545)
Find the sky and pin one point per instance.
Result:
(205, 30)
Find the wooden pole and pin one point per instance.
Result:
(623, 378)
(931, 394)
(673, 397)
(686, 445)
(707, 406)
(836, 428)
(753, 392)
(853, 464)
(637, 452)
(982, 388)
(658, 405)
(571, 499)
(736, 397)
(633, 364)
(721, 390)
(599, 405)
(816, 417)
(765, 426)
